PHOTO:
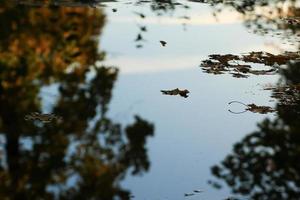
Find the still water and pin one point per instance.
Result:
(82, 115)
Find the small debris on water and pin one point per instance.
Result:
(163, 43)
(184, 93)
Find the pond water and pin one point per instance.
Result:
(83, 115)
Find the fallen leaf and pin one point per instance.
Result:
(188, 194)
(163, 43)
(253, 108)
(183, 93)
(140, 14)
(198, 191)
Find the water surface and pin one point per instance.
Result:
(82, 115)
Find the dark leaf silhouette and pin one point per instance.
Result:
(259, 109)
(189, 194)
(143, 28)
(183, 93)
(163, 43)
(253, 108)
(141, 15)
(198, 191)
(139, 37)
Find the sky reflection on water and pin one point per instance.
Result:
(190, 135)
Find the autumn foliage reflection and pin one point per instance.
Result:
(85, 155)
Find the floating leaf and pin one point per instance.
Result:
(143, 28)
(183, 93)
(198, 191)
(188, 194)
(259, 109)
(253, 108)
(139, 37)
(163, 43)
(140, 14)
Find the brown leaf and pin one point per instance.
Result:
(183, 93)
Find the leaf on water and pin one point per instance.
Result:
(183, 93)
(140, 14)
(143, 28)
(260, 109)
(193, 193)
(253, 108)
(139, 37)
(198, 191)
(188, 194)
(163, 43)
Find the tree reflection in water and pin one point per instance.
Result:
(276, 17)
(265, 164)
(85, 155)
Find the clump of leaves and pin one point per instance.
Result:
(193, 193)
(184, 93)
(253, 108)
(241, 66)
